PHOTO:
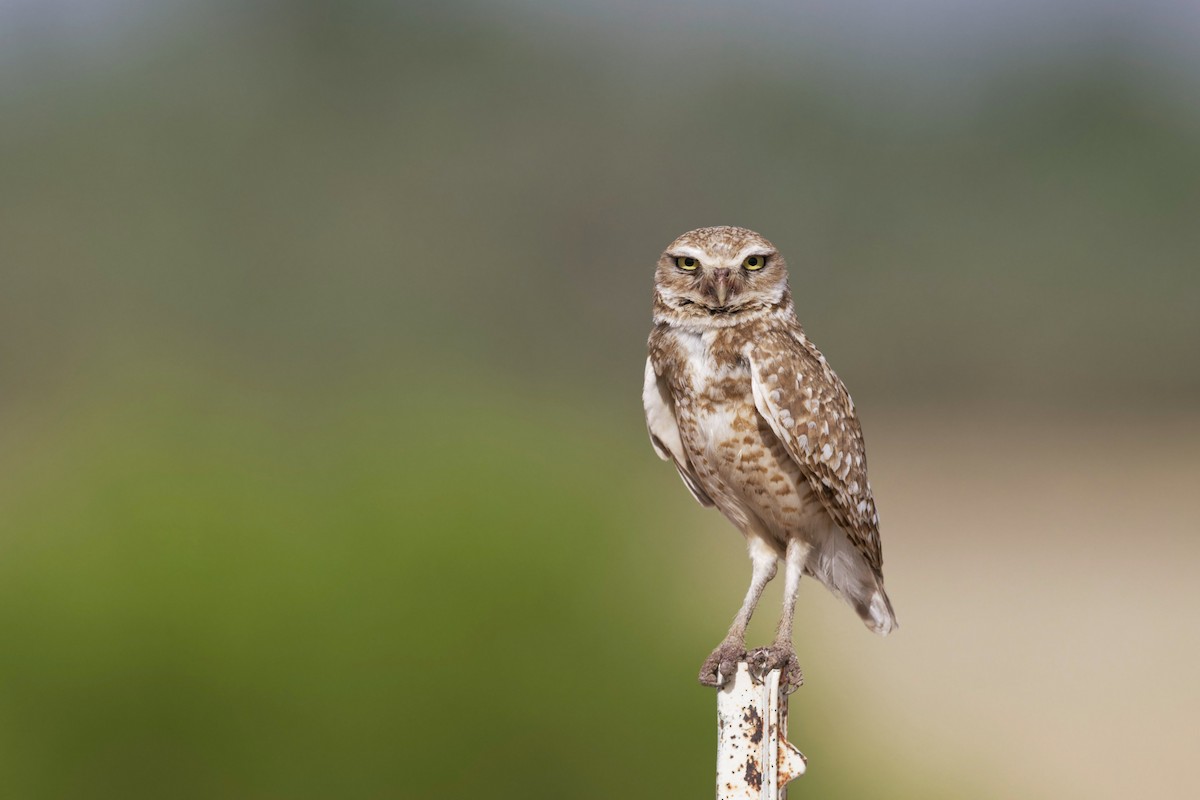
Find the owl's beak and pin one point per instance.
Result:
(722, 285)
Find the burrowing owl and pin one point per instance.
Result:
(758, 425)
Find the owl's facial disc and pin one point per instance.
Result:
(719, 275)
(716, 283)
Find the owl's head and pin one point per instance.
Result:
(719, 274)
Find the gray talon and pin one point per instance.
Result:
(782, 658)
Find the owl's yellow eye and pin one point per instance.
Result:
(687, 262)
(754, 262)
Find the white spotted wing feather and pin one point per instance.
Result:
(809, 410)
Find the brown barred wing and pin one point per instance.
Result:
(809, 409)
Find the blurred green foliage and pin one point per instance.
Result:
(322, 333)
(211, 594)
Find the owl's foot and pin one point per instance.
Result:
(781, 657)
(722, 665)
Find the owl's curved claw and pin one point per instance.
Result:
(781, 657)
(721, 665)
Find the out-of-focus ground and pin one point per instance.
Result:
(1049, 562)
(322, 465)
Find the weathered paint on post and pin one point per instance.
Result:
(754, 758)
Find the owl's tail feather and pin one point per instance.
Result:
(877, 612)
(839, 564)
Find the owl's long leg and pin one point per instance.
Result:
(781, 654)
(793, 568)
(722, 663)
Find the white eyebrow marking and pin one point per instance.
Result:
(753, 250)
(687, 251)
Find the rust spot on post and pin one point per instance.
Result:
(753, 775)
(757, 721)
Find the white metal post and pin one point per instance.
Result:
(754, 758)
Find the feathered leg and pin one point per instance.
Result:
(721, 665)
(781, 654)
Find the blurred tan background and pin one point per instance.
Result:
(322, 462)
